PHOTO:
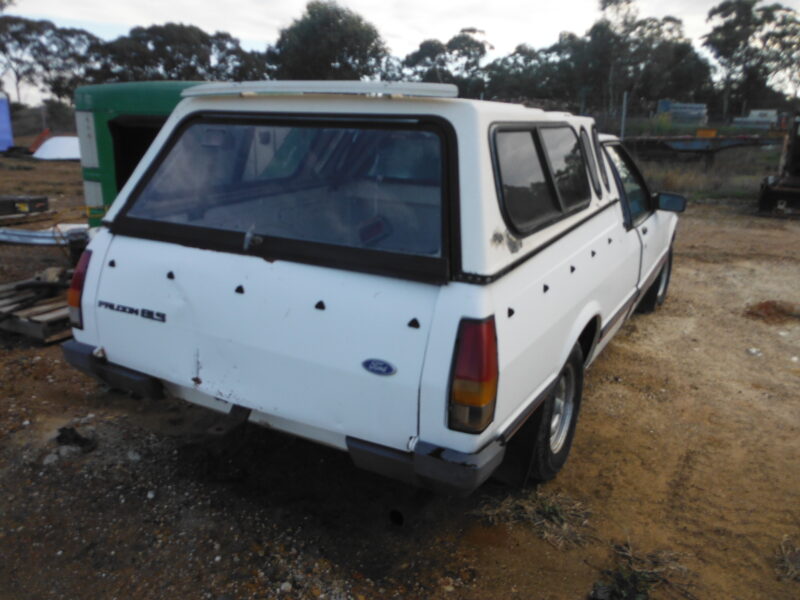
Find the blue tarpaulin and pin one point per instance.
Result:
(6, 136)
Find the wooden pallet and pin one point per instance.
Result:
(45, 319)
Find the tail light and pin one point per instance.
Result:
(473, 387)
(75, 292)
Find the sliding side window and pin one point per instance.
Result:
(527, 195)
(569, 166)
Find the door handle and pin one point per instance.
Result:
(644, 230)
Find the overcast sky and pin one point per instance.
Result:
(402, 23)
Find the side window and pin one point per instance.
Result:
(568, 165)
(600, 155)
(527, 196)
(588, 151)
(632, 184)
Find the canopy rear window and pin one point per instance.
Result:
(360, 187)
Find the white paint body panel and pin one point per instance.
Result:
(269, 348)
(300, 369)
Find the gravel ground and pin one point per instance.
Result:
(688, 443)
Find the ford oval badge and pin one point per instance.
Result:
(378, 366)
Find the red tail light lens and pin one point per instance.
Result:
(75, 292)
(473, 389)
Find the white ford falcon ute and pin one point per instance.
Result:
(415, 279)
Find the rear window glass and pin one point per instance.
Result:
(353, 186)
(527, 195)
(569, 167)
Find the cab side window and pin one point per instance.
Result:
(633, 186)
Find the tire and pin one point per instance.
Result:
(554, 423)
(767, 200)
(657, 292)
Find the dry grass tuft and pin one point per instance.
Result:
(634, 576)
(788, 558)
(558, 519)
(735, 173)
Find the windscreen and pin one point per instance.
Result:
(370, 186)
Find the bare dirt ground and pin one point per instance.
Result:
(684, 477)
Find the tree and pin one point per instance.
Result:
(516, 75)
(457, 62)
(429, 63)
(676, 70)
(744, 40)
(328, 42)
(634, 49)
(175, 51)
(22, 48)
(230, 62)
(69, 54)
(784, 43)
(649, 58)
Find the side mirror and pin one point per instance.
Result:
(671, 202)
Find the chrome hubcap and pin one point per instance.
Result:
(563, 407)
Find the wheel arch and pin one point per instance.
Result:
(585, 331)
(588, 338)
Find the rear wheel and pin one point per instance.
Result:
(555, 421)
(540, 448)
(767, 200)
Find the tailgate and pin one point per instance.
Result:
(340, 351)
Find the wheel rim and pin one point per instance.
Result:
(563, 407)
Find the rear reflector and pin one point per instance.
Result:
(473, 388)
(75, 292)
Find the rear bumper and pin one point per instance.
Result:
(441, 469)
(82, 357)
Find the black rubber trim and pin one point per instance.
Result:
(81, 356)
(440, 469)
(486, 279)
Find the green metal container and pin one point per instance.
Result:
(116, 123)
